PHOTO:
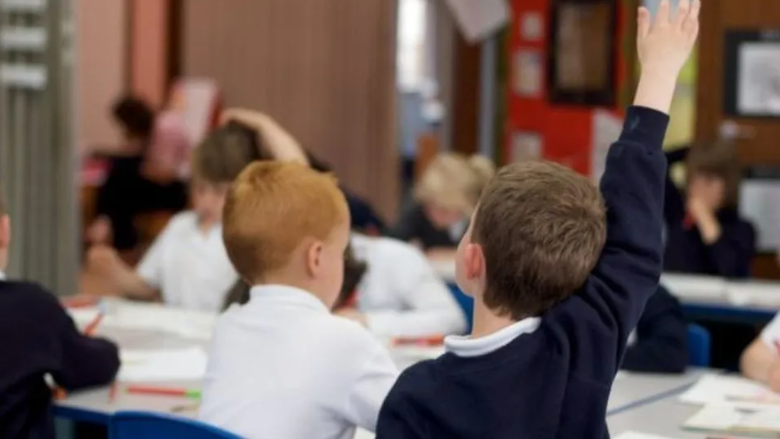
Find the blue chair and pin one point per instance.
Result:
(466, 304)
(698, 346)
(133, 425)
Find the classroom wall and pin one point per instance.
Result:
(149, 49)
(325, 70)
(100, 68)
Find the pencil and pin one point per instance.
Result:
(164, 391)
(434, 340)
(92, 326)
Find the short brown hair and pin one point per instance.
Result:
(720, 160)
(271, 208)
(542, 228)
(225, 152)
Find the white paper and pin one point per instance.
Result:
(184, 323)
(528, 73)
(696, 288)
(162, 365)
(479, 18)
(363, 434)
(636, 435)
(728, 389)
(526, 145)
(606, 130)
(729, 418)
(759, 202)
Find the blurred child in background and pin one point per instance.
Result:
(445, 196)
(144, 175)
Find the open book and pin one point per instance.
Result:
(727, 418)
(734, 390)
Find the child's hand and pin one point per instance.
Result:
(665, 44)
(99, 232)
(663, 47)
(104, 260)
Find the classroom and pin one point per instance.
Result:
(389, 219)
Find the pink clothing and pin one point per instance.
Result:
(170, 147)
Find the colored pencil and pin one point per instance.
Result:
(434, 340)
(164, 391)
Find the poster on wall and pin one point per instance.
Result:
(528, 73)
(752, 73)
(583, 59)
(526, 145)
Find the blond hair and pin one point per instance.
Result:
(269, 211)
(455, 181)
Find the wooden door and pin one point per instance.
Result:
(757, 137)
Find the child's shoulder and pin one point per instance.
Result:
(31, 296)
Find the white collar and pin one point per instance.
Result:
(465, 346)
(2, 275)
(286, 295)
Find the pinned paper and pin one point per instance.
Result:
(479, 19)
(162, 365)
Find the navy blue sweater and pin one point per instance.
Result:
(730, 256)
(37, 337)
(555, 382)
(661, 337)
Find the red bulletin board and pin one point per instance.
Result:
(562, 133)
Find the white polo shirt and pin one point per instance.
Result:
(771, 334)
(191, 268)
(282, 366)
(401, 294)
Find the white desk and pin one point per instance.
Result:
(663, 418)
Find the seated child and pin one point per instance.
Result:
(38, 338)
(559, 277)
(130, 187)
(187, 263)
(660, 342)
(445, 199)
(282, 366)
(400, 294)
(761, 360)
(704, 232)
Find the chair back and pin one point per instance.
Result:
(698, 346)
(147, 425)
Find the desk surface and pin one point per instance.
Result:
(662, 418)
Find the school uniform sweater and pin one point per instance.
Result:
(553, 380)
(730, 256)
(38, 338)
(661, 344)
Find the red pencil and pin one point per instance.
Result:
(434, 340)
(92, 326)
(164, 391)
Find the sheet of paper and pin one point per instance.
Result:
(636, 435)
(729, 418)
(700, 288)
(162, 365)
(184, 323)
(478, 19)
(363, 434)
(734, 390)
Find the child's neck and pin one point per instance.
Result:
(205, 225)
(486, 321)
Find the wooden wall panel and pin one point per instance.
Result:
(325, 70)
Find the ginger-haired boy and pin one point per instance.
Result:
(560, 276)
(282, 366)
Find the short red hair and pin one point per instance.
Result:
(271, 208)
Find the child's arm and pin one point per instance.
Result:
(662, 338)
(107, 262)
(370, 387)
(761, 360)
(674, 204)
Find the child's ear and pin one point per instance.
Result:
(5, 231)
(474, 261)
(314, 258)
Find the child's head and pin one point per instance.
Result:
(135, 117)
(535, 236)
(450, 187)
(5, 235)
(285, 223)
(714, 174)
(216, 162)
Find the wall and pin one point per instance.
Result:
(149, 49)
(101, 68)
(565, 133)
(325, 70)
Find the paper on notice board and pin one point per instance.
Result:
(478, 19)
(606, 129)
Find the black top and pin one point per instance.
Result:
(414, 225)
(661, 337)
(730, 256)
(555, 381)
(38, 338)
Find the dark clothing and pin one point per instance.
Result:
(661, 337)
(38, 338)
(555, 381)
(414, 225)
(364, 217)
(730, 256)
(127, 193)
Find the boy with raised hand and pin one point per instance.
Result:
(283, 366)
(560, 277)
(38, 338)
